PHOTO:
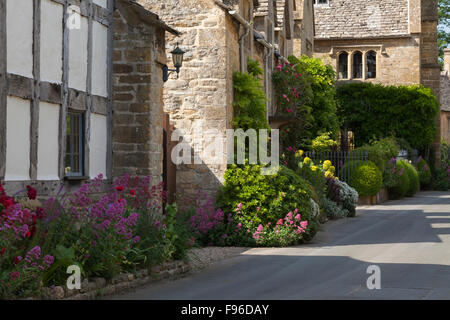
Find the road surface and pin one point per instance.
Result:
(408, 239)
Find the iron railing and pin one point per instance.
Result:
(339, 159)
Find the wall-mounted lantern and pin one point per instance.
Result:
(177, 57)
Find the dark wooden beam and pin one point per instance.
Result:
(3, 88)
(34, 116)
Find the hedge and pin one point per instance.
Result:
(374, 111)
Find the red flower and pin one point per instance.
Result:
(17, 260)
(31, 193)
(2, 251)
(132, 192)
(14, 275)
(121, 200)
(119, 188)
(28, 234)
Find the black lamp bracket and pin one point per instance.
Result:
(167, 72)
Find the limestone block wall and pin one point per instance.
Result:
(201, 98)
(398, 59)
(137, 134)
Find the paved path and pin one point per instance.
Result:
(408, 239)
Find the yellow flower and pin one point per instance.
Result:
(299, 153)
(328, 174)
(332, 169)
(307, 160)
(314, 168)
(326, 164)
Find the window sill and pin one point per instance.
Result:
(76, 178)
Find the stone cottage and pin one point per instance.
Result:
(79, 97)
(218, 36)
(390, 42)
(445, 97)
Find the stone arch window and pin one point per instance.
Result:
(371, 61)
(357, 65)
(343, 65)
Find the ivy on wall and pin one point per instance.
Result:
(374, 111)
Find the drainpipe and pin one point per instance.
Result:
(246, 25)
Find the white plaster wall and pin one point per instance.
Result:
(19, 25)
(78, 39)
(48, 146)
(51, 41)
(99, 59)
(97, 145)
(17, 139)
(102, 3)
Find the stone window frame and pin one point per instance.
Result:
(326, 4)
(366, 66)
(338, 64)
(351, 50)
(362, 72)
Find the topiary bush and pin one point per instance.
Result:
(413, 176)
(365, 177)
(400, 184)
(264, 199)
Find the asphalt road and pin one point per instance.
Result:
(409, 240)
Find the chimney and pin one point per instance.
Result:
(447, 60)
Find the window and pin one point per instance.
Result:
(320, 1)
(343, 65)
(357, 65)
(371, 65)
(74, 144)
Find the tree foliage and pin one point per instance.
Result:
(444, 26)
(319, 80)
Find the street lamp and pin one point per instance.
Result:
(177, 57)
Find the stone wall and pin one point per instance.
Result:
(139, 54)
(398, 59)
(445, 97)
(303, 33)
(361, 18)
(201, 98)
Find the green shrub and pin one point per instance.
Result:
(374, 111)
(442, 179)
(381, 151)
(323, 143)
(265, 198)
(365, 177)
(400, 188)
(424, 173)
(249, 99)
(374, 154)
(413, 176)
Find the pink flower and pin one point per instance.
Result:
(279, 222)
(304, 224)
(260, 228)
(298, 217)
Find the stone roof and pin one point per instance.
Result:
(361, 18)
